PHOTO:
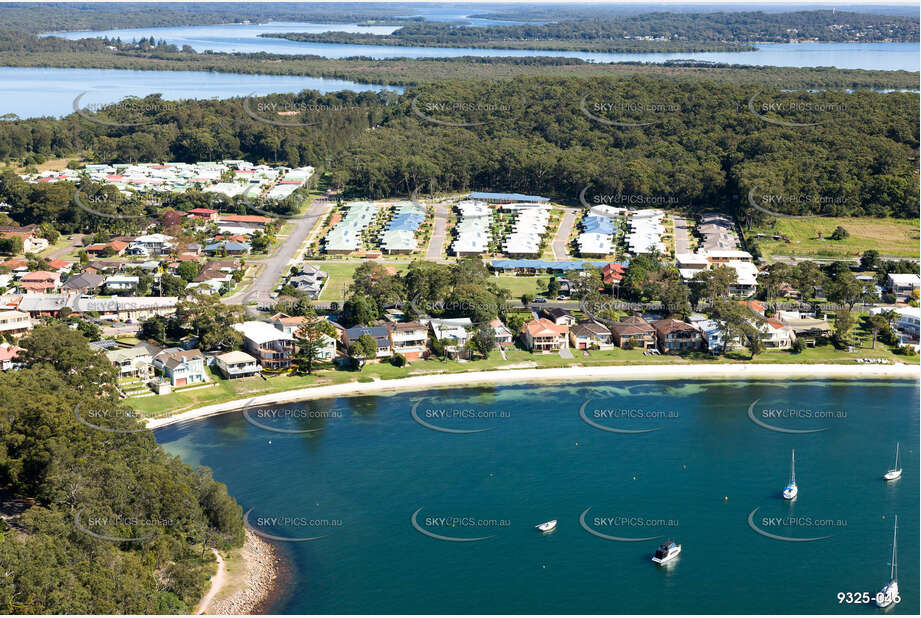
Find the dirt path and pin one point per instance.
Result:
(216, 583)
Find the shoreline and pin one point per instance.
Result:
(264, 580)
(559, 374)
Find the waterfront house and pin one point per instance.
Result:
(181, 367)
(272, 347)
(409, 339)
(634, 331)
(380, 334)
(591, 335)
(543, 335)
(453, 332)
(503, 335)
(676, 336)
(776, 335)
(236, 364)
(136, 361)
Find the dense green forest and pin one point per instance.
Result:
(66, 484)
(706, 145)
(671, 32)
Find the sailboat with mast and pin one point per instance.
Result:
(890, 592)
(896, 471)
(790, 491)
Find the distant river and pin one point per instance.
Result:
(368, 466)
(30, 92)
(244, 38)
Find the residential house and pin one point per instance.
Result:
(236, 364)
(776, 335)
(591, 335)
(903, 285)
(136, 361)
(409, 339)
(14, 323)
(633, 331)
(83, 283)
(206, 214)
(503, 335)
(121, 283)
(9, 355)
(272, 347)
(453, 332)
(31, 241)
(909, 321)
(181, 367)
(713, 336)
(544, 335)
(291, 324)
(151, 244)
(241, 224)
(227, 247)
(40, 282)
(558, 316)
(676, 336)
(113, 247)
(380, 334)
(612, 274)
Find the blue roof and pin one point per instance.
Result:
(230, 245)
(510, 197)
(599, 225)
(407, 221)
(548, 264)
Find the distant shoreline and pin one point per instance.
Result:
(562, 374)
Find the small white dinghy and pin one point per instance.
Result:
(896, 471)
(547, 526)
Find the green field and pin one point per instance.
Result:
(891, 237)
(517, 286)
(340, 276)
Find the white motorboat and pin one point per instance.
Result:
(894, 472)
(890, 592)
(790, 491)
(547, 526)
(667, 551)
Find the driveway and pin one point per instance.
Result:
(560, 244)
(276, 265)
(439, 233)
(682, 235)
(565, 352)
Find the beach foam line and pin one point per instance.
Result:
(557, 374)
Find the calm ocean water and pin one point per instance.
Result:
(378, 483)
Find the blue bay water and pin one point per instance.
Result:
(369, 466)
(33, 92)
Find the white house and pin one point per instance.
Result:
(902, 285)
(181, 367)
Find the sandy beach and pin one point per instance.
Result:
(562, 374)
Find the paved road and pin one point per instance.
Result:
(439, 233)
(274, 266)
(682, 235)
(560, 242)
(76, 243)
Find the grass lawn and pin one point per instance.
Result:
(895, 237)
(340, 276)
(517, 286)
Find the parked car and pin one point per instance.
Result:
(540, 299)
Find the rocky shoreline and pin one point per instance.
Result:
(262, 563)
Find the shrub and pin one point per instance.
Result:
(398, 360)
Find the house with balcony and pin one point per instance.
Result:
(410, 339)
(151, 244)
(380, 334)
(503, 334)
(776, 335)
(236, 364)
(40, 282)
(15, 323)
(543, 335)
(633, 331)
(675, 336)
(181, 367)
(591, 335)
(453, 332)
(272, 347)
(134, 362)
